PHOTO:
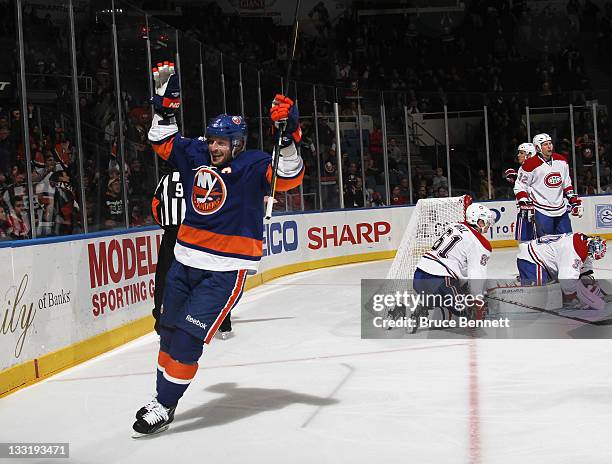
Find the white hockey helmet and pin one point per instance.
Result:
(528, 148)
(539, 139)
(477, 211)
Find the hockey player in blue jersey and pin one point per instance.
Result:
(220, 239)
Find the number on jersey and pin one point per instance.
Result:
(446, 243)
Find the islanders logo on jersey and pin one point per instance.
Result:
(209, 191)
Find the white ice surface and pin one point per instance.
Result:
(297, 384)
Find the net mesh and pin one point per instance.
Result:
(430, 218)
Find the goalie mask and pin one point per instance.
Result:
(596, 247)
(230, 127)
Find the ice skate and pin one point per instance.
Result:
(146, 408)
(156, 420)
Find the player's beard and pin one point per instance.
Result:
(219, 158)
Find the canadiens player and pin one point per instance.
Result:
(542, 185)
(525, 226)
(460, 255)
(220, 239)
(563, 258)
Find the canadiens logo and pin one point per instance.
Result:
(209, 191)
(236, 120)
(553, 180)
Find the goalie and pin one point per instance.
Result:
(458, 257)
(565, 258)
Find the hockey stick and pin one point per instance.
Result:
(281, 126)
(551, 312)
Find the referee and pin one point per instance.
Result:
(168, 207)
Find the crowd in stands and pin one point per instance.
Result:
(443, 62)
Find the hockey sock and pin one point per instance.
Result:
(179, 367)
(165, 338)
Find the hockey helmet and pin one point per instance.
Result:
(230, 127)
(539, 139)
(477, 211)
(596, 247)
(528, 148)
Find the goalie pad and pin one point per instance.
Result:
(590, 295)
(505, 297)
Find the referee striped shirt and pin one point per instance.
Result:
(168, 204)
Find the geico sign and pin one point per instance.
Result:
(363, 232)
(279, 237)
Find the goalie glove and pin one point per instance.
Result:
(285, 116)
(575, 204)
(167, 98)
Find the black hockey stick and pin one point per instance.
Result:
(550, 311)
(282, 125)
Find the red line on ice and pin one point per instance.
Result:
(474, 404)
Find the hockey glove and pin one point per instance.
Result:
(285, 116)
(510, 175)
(576, 205)
(526, 209)
(167, 98)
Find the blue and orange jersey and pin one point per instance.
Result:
(223, 225)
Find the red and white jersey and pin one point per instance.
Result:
(563, 257)
(545, 183)
(460, 253)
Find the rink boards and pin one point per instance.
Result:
(66, 300)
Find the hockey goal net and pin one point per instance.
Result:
(430, 219)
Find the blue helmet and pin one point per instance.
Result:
(230, 127)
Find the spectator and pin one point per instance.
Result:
(353, 196)
(404, 187)
(439, 180)
(421, 193)
(65, 206)
(4, 224)
(18, 223)
(113, 204)
(375, 143)
(371, 172)
(442, 192)
(377, 199)
(588, 186)
(393, 149)
(397, 198)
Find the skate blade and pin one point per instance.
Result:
(149, 435)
